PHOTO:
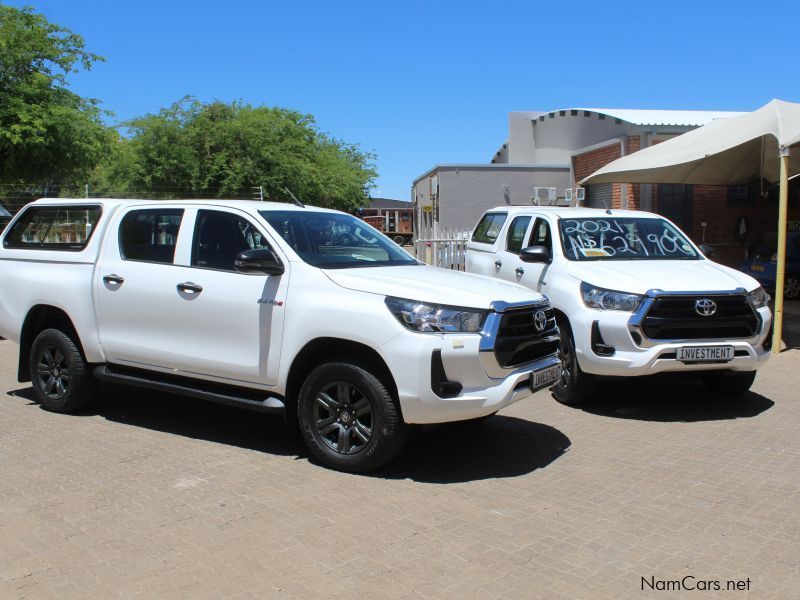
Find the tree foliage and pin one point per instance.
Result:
(47, 132)
(224, 149)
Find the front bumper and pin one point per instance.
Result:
(468, 359)
(634, 356)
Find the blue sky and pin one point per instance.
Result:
(421, 83)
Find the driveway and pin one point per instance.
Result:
(155, 496)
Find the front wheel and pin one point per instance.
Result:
(575, 387)
(349, 419)
(734, 383)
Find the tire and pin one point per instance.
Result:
(399, 240)
(729, 384)
(61, 379)
(791, 288)
(575, 387)
(349, 420)
(345, 240)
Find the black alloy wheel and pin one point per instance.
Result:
(59, 373)
(349, 419)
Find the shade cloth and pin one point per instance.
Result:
(726, 151)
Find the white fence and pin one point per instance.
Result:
(442, 247)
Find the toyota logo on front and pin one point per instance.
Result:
(539, 320)
(705, 307)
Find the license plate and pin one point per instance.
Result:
(545, 377)
(705, 353)
(759, 268)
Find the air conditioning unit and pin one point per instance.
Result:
(580, 195)
(568, 196)
(544, 196)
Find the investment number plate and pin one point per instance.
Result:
(705, 353)
(545, 377)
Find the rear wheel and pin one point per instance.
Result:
(575, 387)
(399, 240)
(345, 240)
(348, 418)
(60, 376)
(736, 383)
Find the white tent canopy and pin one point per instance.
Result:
(726, 151)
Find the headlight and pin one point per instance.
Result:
(595, 297)
(434, 318)
(758, 298)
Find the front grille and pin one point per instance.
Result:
(517, 340)
(675, 318)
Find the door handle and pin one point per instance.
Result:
(189, 288)
(114, 279)
(498, 264)
(519, 271)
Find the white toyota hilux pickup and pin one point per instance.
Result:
(632, 295)
(254, 304)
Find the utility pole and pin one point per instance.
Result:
(258, 192)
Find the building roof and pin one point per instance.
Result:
(686, 118)
(388, 203)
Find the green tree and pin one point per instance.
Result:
(47, 132)
(224, 149)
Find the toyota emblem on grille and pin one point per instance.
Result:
(705, 307)
(539, 320)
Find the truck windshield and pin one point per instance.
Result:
(335, 240)
(624, 238)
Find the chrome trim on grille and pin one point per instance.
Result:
(636, 321)
(489, 333)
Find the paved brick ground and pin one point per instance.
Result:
(152, 496)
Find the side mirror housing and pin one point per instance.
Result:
(535, 254)
(260, 261)
(707, 250)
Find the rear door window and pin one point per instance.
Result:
(150, 234)
(489, 228)
(54, 227)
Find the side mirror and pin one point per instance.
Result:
(707, 250)
(260, 261)
(535, 254)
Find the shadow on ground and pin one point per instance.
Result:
(189, 417)
(671, 399)
(498, 447)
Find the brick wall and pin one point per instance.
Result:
(710, 205)
(585, 164)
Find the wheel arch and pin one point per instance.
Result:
(39, 318)
(327, 349)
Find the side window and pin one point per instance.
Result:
(489, 228)
(516, 234)
(150, 234)
(540, 236)
(219, 236)
(54, 228)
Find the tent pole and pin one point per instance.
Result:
(781, 267)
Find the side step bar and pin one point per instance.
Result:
(270, 404)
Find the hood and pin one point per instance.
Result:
(431, 284)
(638, 276)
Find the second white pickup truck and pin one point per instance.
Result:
(257, 305)
(632, 295)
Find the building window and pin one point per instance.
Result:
(741, 195)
